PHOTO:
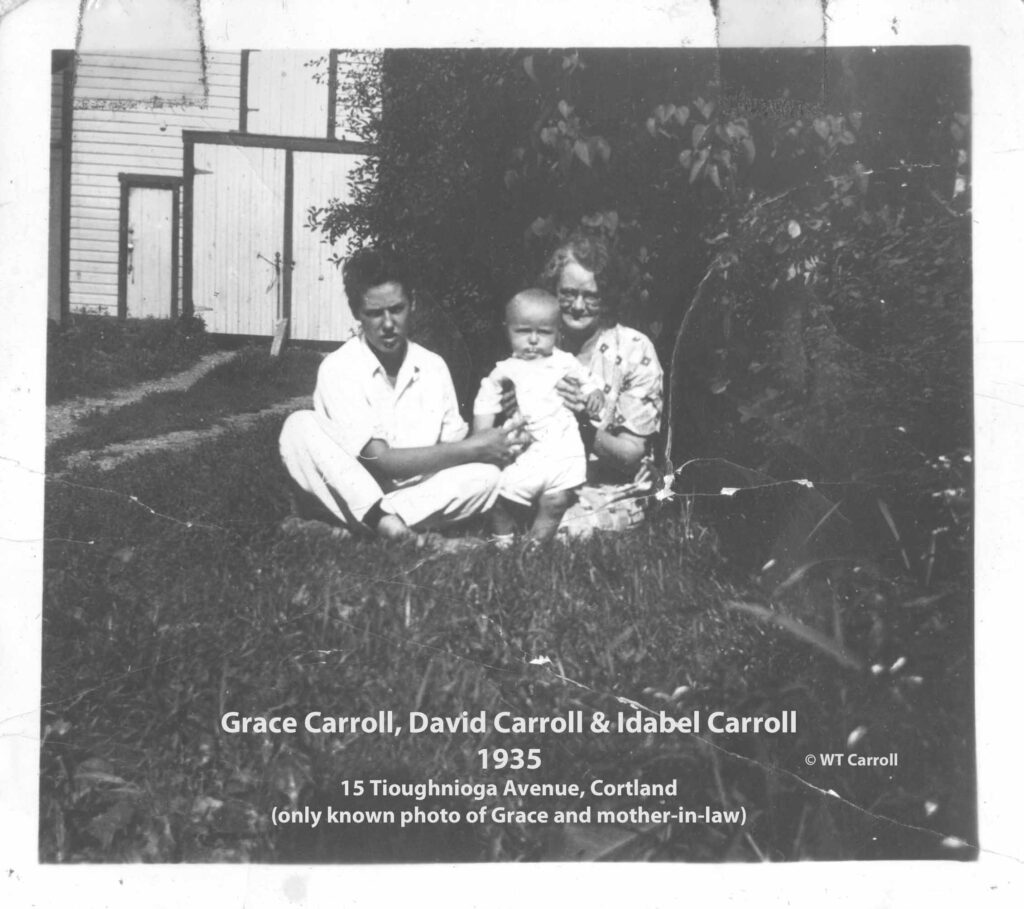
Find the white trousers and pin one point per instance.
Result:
(346, 489)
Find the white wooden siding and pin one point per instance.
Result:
(284, 98)
(320, 308)
(238, 224)
(142, 137)
(129, 113)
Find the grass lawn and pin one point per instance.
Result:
(250, 382)
(171, 597)
(89, 355)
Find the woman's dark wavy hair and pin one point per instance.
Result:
(371, 267)
(594, 254)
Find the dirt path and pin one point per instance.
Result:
(113, 455)
(63, 418)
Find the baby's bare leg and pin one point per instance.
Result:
(550, 508)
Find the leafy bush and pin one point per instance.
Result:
(486, 159)
(796, 229)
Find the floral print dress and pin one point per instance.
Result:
(624, 364)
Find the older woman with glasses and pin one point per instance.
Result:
(585, 277)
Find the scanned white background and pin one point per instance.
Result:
(994, 29)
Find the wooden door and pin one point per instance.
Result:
(150, 266)
(319, 308)
(238, 237)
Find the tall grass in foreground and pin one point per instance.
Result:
(171, 597)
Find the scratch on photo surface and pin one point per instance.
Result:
(110, 26)
(9, 6)
(530, 661)
(724, 38)
(523, 654)
(824, 50)
(774, 769)
(999, 398)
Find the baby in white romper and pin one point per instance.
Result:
(542, 481)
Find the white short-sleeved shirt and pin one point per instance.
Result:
(555, 460)
(355, 401)
(546, 413)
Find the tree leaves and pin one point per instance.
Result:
(602, 147)
(698, 163)
(663, 111)
(706, 108)
(608, 220)
(582, 151)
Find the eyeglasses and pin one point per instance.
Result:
(567, 297)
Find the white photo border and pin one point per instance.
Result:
(995, 33)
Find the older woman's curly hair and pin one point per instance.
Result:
(594, 254)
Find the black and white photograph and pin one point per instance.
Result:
(510, 452)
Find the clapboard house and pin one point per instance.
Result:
(182, 185)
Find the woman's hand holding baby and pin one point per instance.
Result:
(569, 389)
(595, 404)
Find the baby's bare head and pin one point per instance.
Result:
(532, 319)
(535, 303)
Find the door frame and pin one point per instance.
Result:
(129, 182)
(65, 62)
(288, 144)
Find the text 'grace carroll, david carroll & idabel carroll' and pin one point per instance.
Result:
(385, 722)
